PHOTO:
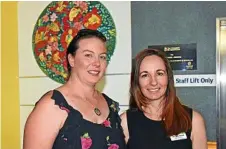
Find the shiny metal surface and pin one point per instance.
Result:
(221, 82)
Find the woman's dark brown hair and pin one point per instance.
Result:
(175, 117)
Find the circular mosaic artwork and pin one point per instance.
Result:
(58, 24)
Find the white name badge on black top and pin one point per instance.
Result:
(180, 136)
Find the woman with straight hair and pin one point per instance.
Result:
(156, 119)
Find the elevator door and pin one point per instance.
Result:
(221, 82)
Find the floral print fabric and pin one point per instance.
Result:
(86, 141)
(78, 133)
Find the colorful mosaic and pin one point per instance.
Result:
(58, 24)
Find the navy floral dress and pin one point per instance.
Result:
(78, 133)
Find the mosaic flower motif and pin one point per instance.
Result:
(56, 26)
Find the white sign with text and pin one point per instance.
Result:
(195, 80)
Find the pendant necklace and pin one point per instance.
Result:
(96, 110)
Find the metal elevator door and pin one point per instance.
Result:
(221, 82)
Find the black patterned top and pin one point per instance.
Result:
(79, 133)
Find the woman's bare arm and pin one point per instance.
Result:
(198, 134)
(125, 126)
(43, 124)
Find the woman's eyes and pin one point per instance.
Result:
(144, 75)
(160, 73)
(88, 55)
(103, 57)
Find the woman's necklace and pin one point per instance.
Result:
(96, 109)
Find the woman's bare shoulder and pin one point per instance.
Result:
(46, 108)
(43, 123)
(197, 117)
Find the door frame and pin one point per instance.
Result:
(221, 82)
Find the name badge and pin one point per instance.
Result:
(180, 136)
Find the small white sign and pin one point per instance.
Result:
(181, 136)
(195, 80)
